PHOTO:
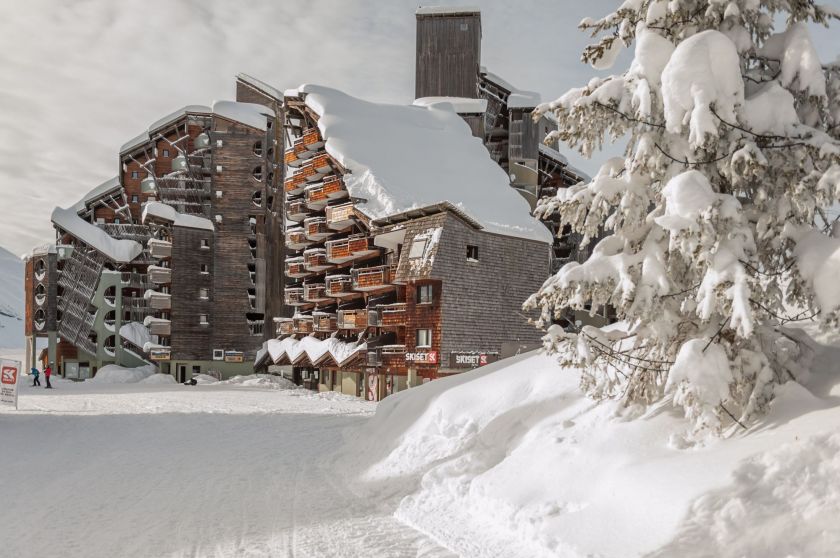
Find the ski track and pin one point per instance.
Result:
(95, 476)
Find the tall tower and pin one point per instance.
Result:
(448, 52)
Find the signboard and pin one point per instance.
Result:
(9, 377)
(430, 357)
(471, 360)
(234, 356)
(160, 354)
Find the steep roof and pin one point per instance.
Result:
(120, 251)
(404, 157)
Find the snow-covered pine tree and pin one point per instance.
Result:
(711, 232)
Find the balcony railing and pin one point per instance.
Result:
(387, 356)
(294, 296)
(312, 139)
(314, 292)
(160, 275)
(339, 286)
(285, 326)
(340, 217)
(295, 268)
(297, 211)
(296, 238)
(293, 185)
(315, 259)
(325, 322)
(388, 315)
(297, 154)
(373, 278)
(160, 248)
(316, 228)
(159, 326)
(158, 301)
(303, 324)
(352, 319)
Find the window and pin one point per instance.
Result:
(218, 354)
(166, 153)
(203, 293)
(418, 248)
(135, 174)
(116, 220)
(424, 338)
(424, 294)
(205, 244)
(135, 198)
(202, 319)
(205, 268)
(472, 253)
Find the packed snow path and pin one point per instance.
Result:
(176, 471)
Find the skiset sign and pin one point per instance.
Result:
(9, 377)
(430, 357)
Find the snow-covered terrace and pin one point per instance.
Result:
(155, 210)
(314, 349)
(404, 157)
(120, 251)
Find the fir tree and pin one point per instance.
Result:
(711, 233)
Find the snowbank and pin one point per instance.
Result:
(511, 460)
(405, 157)
(158, 379)
(261, 380)
(114, 374)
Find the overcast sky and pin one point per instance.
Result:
(79, 78)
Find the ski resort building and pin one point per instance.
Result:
(163, 263)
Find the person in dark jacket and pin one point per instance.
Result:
(34, 373)
(47, 374)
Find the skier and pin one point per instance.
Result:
(35, 381)
(47, 374)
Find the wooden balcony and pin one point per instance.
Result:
(294, 296)
(325, 322)
(318, 195)
(158, 301)
(362, 246)
(315, 292)
(297, 211)
(387, 356)
(159, 275)
(159, 326)
(315, 259)
(297, 154)
(373, 278)
(348, 249)
(296, 238)
(303, 324)
(294, 184)
(296, 268)
(389, 315)
(352, 319)
(322, 163)
(340, 217)
(160, 249)
(312, 139)
(285, 326)
(340, 286)
(316, 228)
(308, 172)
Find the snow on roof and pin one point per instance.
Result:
(441, 10)
(461, 105)
(168, 213)
(99, 191)
(135, 142)
(518, 98)
(405, 157)
(189, 109)
(121, 251)
(250, 114)
(41, 250)
(554, 154)
(314, 348)
(261, 85)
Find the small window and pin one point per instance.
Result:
(100, 220)
(202, 319)
(203, 294)
(257, 173)
(135, 198)
(218, 354)
(418, 248)
(116, 220)
(258, 149)
(424, 294)
(205, 268)
(165, 153)
(472, 253)
(205, 244)
(135, 174)
(424, 338)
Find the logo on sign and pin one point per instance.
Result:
(422, 358)
(9, 375)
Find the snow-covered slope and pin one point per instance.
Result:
(511, 460)
(11, 300)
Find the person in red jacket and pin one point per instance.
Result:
(47, 374)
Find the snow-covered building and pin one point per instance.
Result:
(408, 254)
(163, 262)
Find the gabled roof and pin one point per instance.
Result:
(260, 86)
(107, 187)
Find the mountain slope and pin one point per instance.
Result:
(11, 300)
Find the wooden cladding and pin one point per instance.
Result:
(312, 139)
(392, 315)
(340, 216)
(315, 259)
(352, 319)
(294, 184)
(294, 296)
(295, 268)
(314, 292)
(325, 323)
(303, 324)
(297, 211)
(373, 278)
(316, 228)
(285, 326)
(296, 238)
(339, 285)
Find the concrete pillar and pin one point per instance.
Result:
(413, 379)
(52, 349)
(30, 352)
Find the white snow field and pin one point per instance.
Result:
(11, 303)
(237, 468)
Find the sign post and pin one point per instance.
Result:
(9, 378)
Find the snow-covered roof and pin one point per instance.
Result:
(261, 85)
(447, 10)
(560, 158)
(134, 142)
(518, 98)
(104, 188)
(314, 349)
(250, 114)
(168, 213)
(461, 105)
(42, 250)
(403, 157)
(121, 251)
(189, 109)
